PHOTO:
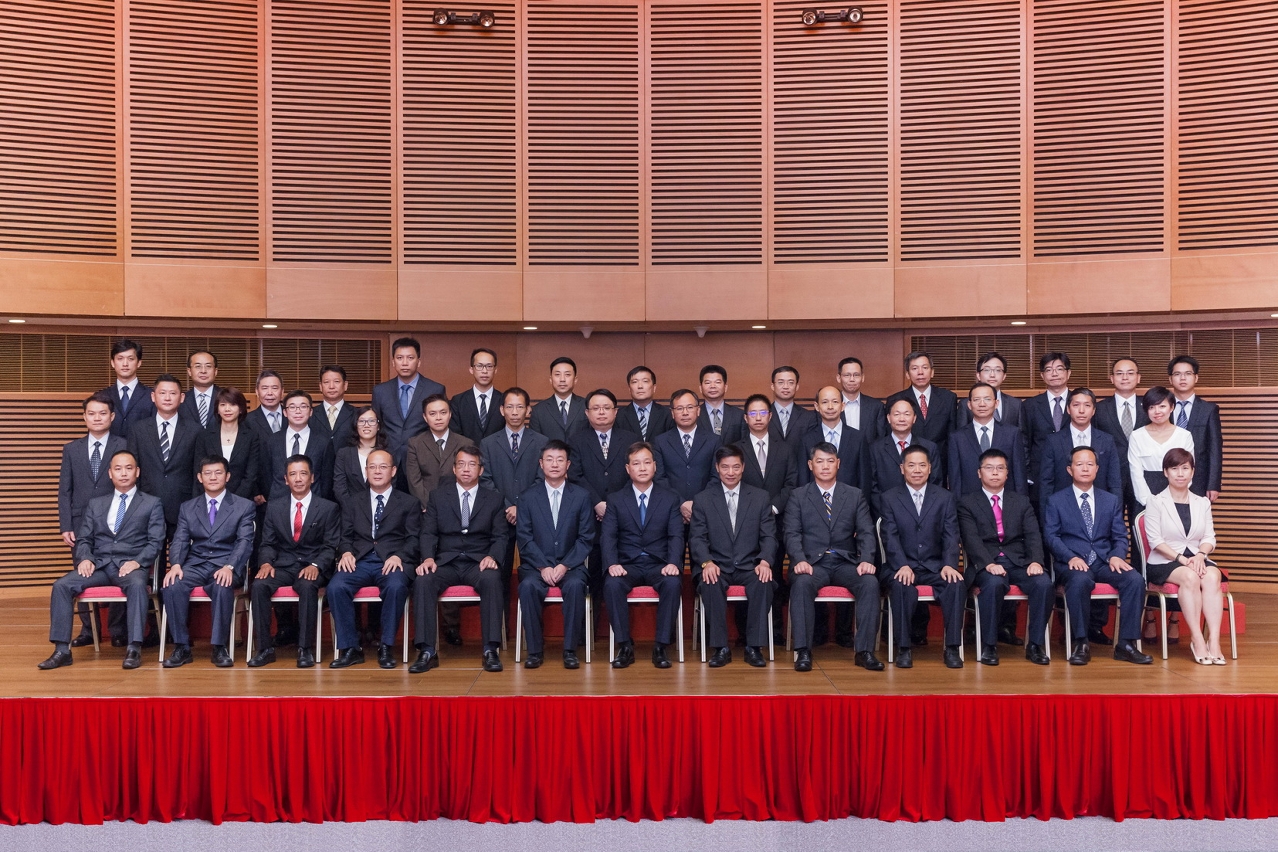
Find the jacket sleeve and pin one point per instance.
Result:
(792, 524)
(346, 543)
(243, 539)
(155, 530)
(326, 557)
(978, 555)
(608, 536)
(429, 530)
(950, 541)
(1052, 533)
(1215, 450)
(501, 536)
(181, 540)
(867, 539)
(269, 549)
(64, 495)
(412, 536)
(895, 555)
(768, 536)
(699, 536)
(1033, 537)
(84, 540)
(1118, 529)
(585, 535)
(1113, 474)
(1047, 470)
(674, 536)
(414, 471)
(525, 536)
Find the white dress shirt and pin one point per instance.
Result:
(920, 395)
(372, 499)
(159, 425)
(102, 442)
(274, 419)
(304, 434)
(1091, 501)
(306, 507)
(1187, 404)
(474, 494)
(132, 386)
(852, 411)
(130, 496)
(831, 433)
(220, 497)
(1083, 438)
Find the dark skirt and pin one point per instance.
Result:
(1158, 573)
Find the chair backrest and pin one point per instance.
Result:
(878, 537)
(1142, 543)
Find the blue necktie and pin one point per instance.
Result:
(1088, 524)
(829, 506)
(124, 401)
(643, 423)
(212, 513)
(95, 460)
(465, 510)
(377, 514)
(405, 398)
(1181, 420)
(119, 513)
(643, 510)
(687, 446)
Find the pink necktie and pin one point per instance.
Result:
(998, 516)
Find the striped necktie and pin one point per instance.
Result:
(164, 441)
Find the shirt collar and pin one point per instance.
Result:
(645, 407)
(131, 493)
(329, 406)
(691, 433)
(551, 489)
(471, 491)
(851, 400)
(757, 440)
(1078, 495)
(736, 491)
(989, 495)
(305, 501)
(639, 493)
(1086, 431)
(909, 439)
(510, 434)
(919, 394)
(220, 497)
(305, 431)
(131, 385)
(787, 407)
(712, 407)
(478, 393)
(403, 384)
(172, 421)
(922, 492)
(373, 495)
(607, 432)
(1120, 399)
(438, 438)
(1189, 402)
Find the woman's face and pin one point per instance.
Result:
(1159, 413)
(367, 426)
(1180, 476)
(229, 412)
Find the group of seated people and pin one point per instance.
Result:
(419, 492)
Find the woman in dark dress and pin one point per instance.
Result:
(348, 469)
(234, 441)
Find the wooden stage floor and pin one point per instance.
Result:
(24, 638)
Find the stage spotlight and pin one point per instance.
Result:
(487, 19)
(812, 17)
(443, 17)
(809, 17)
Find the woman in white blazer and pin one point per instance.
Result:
(1180, 532)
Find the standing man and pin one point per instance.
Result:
(1081, 432)
(267, 420)
(131, 400)
(334, 417)
(982, 433)
(685, 455)
(1043, 416)
(298, 439)
(832, 429)
(511, 464)
(935, 408)
(200, 404)
(556, 532)
(733, 541)
(398, 402)
(644, 416)
(1202, 419)
(474, 411)
(770, 464)
(165, 450)
(789, 421)
(886, 452)
(991, 368)
(563, 413)
(1119, 416)
(859, 410)
(723, 420)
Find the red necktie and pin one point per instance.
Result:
(297, 522)
(902, 443)
(923, 405)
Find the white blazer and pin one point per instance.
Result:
(1163, 526)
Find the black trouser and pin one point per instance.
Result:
(833, 571)
(308, 597)
(905, 598)
(135, 585)
(532, 597)
(669, 589)
(714, 607)
(462, 571)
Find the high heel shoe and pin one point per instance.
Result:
(1218, 659)
(1204, 660)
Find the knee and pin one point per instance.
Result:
(1211, 580)
(490, 581)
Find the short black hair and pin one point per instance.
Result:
(757, 397)
(612, 397)
(638, 447)
(990, 356)
(1080, 449)
(684, 392)
(518, 391)
(712, 368)
(469, 450)
(268, 374)
(1189, 360)
(406, 342)
(1048, 357)
(785, 368)
(435, 397)
(916, 355)
(486, 351)
(823, 447)
(166, 377)
(101, 396)
(991, 453)
(333, 368)
(195, 352)
(299, 457)
(914, 450)
(298, 392)
(1087, 392)
(982, 385)
(731, 451)
(124, 344)
(1156, 395)
(214, 458)
(556, 444)
(850, 360)
(634, 371)
(563, 359)
(128, 453)
(1114, 363)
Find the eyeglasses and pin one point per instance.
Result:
(367, 422)
(483, 366)
(994, 468)
(297, 406)
(685, 408)
(601, 409)
(757, 415)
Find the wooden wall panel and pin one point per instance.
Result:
(852, 291)
(194, 289)
(459, 293)
(332, 292)
(693, 293)
(33, 283)
(971, 288)
(1214, 280)
(1100, 285)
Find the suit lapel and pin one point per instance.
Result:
(814, 495)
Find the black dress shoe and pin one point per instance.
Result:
(1008, 636)
(221, 658)
(1126, 650)
(534, 661)
(1034, 653)
(453, 637)
(152, 639)
(118, 641)
(262, 658)
(659, 656)
(386, 657)
(952, 658)
(426, 660)
(1082, 654)
(625, 656)
(989, 656)
(85, 638)
(720, 658)
(1098, 637)
(904, 658)
(285, 637)
(754, 657)
(571, 661)
(348, 657)
(867, 660)
(180, 657)
(803, 660)
(492, 662)
(56, 660)
(132, 657)
(305, 658)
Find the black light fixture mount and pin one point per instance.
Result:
(444, 18)
(852, 15)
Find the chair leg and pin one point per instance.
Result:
(235, 611)
(699, 624)
(612, 641)
(333, 626)
(1047, 634)
(1069, 635)
(590, 627)
(962, 630)
(1162, 621)
(976, 614)
(771, 649)
(407, 600)
(248, 642)
(1233, 628)
(164, 629)
(679, 626)
(97, 641)
(891, 639)
(519, 628)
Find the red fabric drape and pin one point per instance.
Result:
(578, 759)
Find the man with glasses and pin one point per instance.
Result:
(475, 413)
(1202, 419)
(298, 439)
(1044, 415)
(991, 368)
(685, 454)
(860, 411)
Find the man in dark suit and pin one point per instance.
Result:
(643, 546)
(210, 550)
(463, 540)
(790, 421)
(921, 538)
(830, 536)
(561, 415)
(556, 532)
(165, 450)
(1045, 415)
(685, 455)
(991, 368)
(860, 411)
(1004, 548)
(831, 428)
(644, 416)
(512, 464)
(1119, 416)
(983, 432)
(131, 400)
(1084, 529)
(1202, 419)
(722, 420)
(200, 404)
(885, 454)
(299, 550)
(82, 477)
(474, 410)
(334, 417)
(936, 408)
(1081, 432)
(398, 402)
(733, 541)
(770, 465)
(379, 545)
(267, 421)
(118, 538)
(299, 439)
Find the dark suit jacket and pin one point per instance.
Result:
(443, 537)
(712, 539)
(1053, 476)
(172, 482)
(547, 420)
(782, 474)
(850, 532)
(965, 458)
(1022, 542)
(507, 474)
(874, 423)
(76, 485)
(428, 467)
(140, 538)
(190, 408)
(733, 423)
(659, 420)
(229, 542)
(321, 535)
(1204, 425)
(397, 535)
(929, 541)
(1066, 536)
(624, 541)
(854, 463)
(1011, 415)
(397, 428)
(591, 471)
(1108, 420)
(1036, 425)
(256, 420)
(885, 468)
(544, 545)
(942, 411)
(140, 408)
(466, 415)
(245, 457)
(801, 419)
(317, 450)
(343, 432)
(348, 476)
(687, 476)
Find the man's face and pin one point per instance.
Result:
(850, 378)
(993, 474)
(406, 361)
(554, 465)
(982, 403)
(784, 386)
(483, 367)
(299, 478)
(213, 477)
(758, 416)
(98, 417)
(730, 471)
(601, 413)
(916, 468)
(1125, 377)
(123, 472)
(824, 467)
(713, 387)
(563, 379)
(514, 409)
(201, 369)
(1082, 469)
(1055, 375)
(684, 409)
(466, 470)
(437, 415)
(901, 417)
(269, 391)
(298, 412)
(126, 365)
(1183, 379)
(920, 372)
(167, 396)
(830, 404)
(642, 387)
(332, 387)
(379, 469)
(1081, 409)
(992, 373)
(641, 468)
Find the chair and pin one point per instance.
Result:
(553, 595)
(1014, 593)
(1171, 590)
(642, 595)
(825, 594)
(460, 594)
(198, 595)
(925, 596)
(286, 594)
(368, 594)
(98, 595)
(736, 594)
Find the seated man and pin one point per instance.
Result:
(379, 538)
(643, 546)
(1004, 548)
(463, 540)
(299, 548)
(210, 550)
(830, 536)
(118, 539)
(921, 537)
(1084, 530)
(733, 541)
(556, 530)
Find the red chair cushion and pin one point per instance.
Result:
(834, 593)
(1104, 589)
(102, 593)
(455, 592)
(925, 592)
(736, 592)
(369, 593)
(285, 593)
(640, 594)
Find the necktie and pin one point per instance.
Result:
(124, 401)
(1057, 414)
(901, 444)
(514, 443)
(563, 412)
(1088, 525)
(440, 441)
(643, 510)
(923, 405)
(1127, 422)
(829, 505)
(998, 516)
(998, 410)
(119, 513)
(716, 421)
(1181, 420)
(643, 422)
(378, 512)
(297, 445)
(763, 458)
(297, 522)
(483, 410)
(985, 438)
(687, 445)
(95, 460)
(203, 400)
(164, 441)
(554, 507)
(918, 503)
(405, 399)
(275, 421)
(212, 513)
(785, 420)
(732, 510)
(465, 510)
(603, 444)
(832, 437)
(332, 417)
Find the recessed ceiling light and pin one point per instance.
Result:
(530, 328)
(1018, 322)
(18, 321)
(1272, 315)
(269, 325)
(758, 326)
